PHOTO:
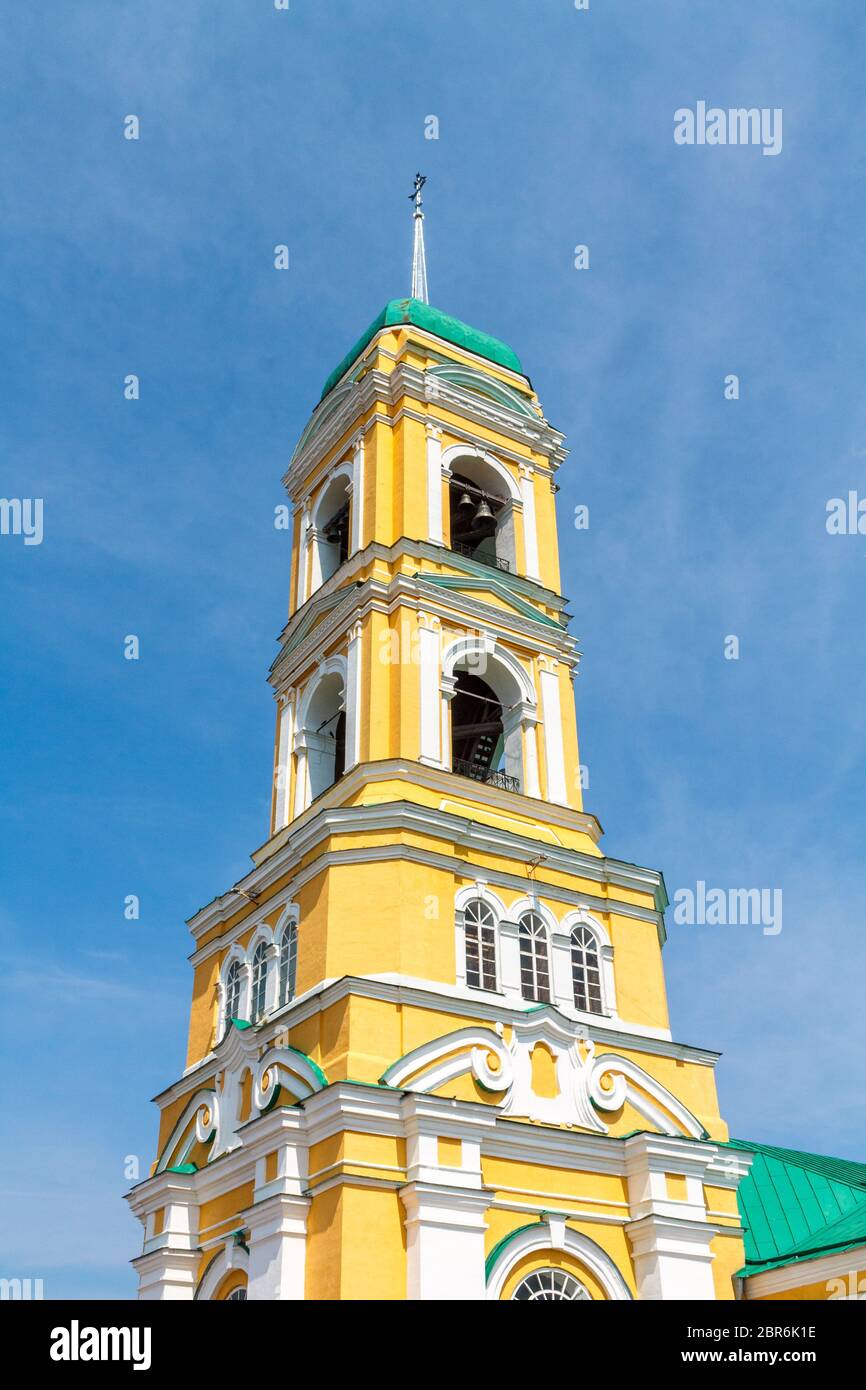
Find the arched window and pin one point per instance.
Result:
(288, 962)
(233, 992)
(551, 1284)
(479, 930)
(586, 971)
(534, 964)
(260, 981)
(237, 1295)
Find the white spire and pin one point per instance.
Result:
(419, 260)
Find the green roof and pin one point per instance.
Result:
(799, 1206)
(415, 311)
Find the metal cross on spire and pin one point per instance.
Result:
(419, 259)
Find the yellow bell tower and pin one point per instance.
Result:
(429, 1050)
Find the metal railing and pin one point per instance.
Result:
(479, 773)
(493, 561)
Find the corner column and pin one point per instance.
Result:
(445, 1204)
(670, 1236)
(168, 1265)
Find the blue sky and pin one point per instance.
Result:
(707, 516)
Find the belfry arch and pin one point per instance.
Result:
(489, 715)
(320, 743)
(331, 535)
(482, 498)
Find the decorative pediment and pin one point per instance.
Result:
(245, 1086)
(469, 379)
(583, 1084)
(488, 583)
(314, 612)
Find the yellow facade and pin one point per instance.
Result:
(429, 1049)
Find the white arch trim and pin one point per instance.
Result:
(228, 1261)
(290, 913)
(465, 648)
(466, 451)
(345, 470)
(476, 891)
(238, 955)
(205, 1103)
(262, 933)
(553, 1234)
(332, 665)
(582, 918)
(524, 905)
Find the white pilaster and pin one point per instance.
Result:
(277, 1228)
(357, 494)
(353, 695)
(429, 629)
(302, 791)
(434, 485)
(304, 556)
(553, 747)
(562, 984)
(167, 1275)
(532, 786)
(168, 1266)
(670, 1237)
(283, 768)
(445, 1206)
(447, 690)
(313, 538)
(530, 531)
(272, 984)
(509, 958)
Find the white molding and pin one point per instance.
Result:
(581, 1096)
(802, 1272)
(435, 531)
(455, 452)
(554, 1234)
(554, 751)
(231, 1258)
(357, 503)
(530, 531)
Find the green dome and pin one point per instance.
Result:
(415, 311)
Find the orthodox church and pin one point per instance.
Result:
(429, 1048)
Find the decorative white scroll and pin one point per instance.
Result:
(585, 1083)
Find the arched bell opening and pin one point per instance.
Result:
(325, 735)
(482, 522)
(332, 521)
(485, 742)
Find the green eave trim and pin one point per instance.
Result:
(414, 311)
(182, 1168)
(241, 1023)
(503, 1243)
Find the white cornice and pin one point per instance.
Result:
(340, 415)
(372, 595)
(433, 997)
(350, 1105)
(281, 854)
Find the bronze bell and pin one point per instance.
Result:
(484, 520)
